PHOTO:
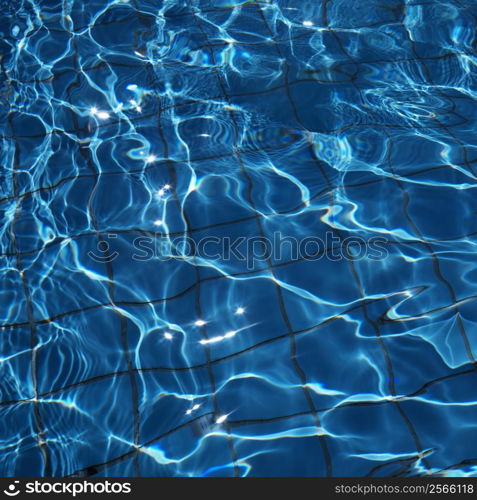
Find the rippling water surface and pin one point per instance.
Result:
(152, 152)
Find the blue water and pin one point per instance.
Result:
(140, 140)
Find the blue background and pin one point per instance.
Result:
(326, 119)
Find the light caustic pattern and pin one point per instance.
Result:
(200, 118)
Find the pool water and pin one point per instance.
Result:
(238, 238)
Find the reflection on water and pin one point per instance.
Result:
(229, 119)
